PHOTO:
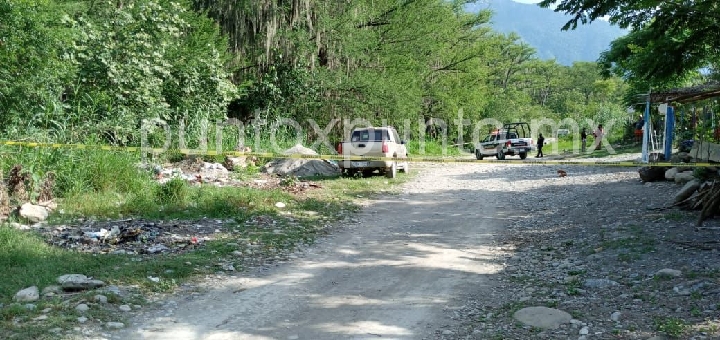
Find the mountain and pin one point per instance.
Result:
(541, 28)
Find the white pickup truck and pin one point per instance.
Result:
(512, 140)
(374, 142)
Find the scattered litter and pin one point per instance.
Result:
(131, 236)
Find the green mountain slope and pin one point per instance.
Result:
(541, 28)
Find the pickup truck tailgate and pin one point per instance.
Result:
(368, 149)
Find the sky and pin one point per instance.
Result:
(552, 6)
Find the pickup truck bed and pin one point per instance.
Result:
(380, 142)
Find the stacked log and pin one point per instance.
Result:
(701, 185)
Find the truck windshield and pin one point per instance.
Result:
(369, 136)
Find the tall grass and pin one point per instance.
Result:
(431, 148)
(79, 171)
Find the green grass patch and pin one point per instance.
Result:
(673, 327)
(633, 246)
(676, 216)
(345, 188)
(431, 148)
(568, 147)
(176, 199)
(100, 185)
(572, 288)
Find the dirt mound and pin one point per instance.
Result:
(301, 167)
(300, 150)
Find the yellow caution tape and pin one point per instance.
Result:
(336, 157)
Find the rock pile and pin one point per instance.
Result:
(701, 185)
(297, 167)
(66, 288)
(194, 171)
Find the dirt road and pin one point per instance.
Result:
(461, 250)
(390, 275)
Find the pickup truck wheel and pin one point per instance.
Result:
(500, 155)
(523, 155)
(392, 171)
(478, 155)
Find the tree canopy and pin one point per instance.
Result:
(80, 69)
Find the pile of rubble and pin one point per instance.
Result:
(297, 167)
(196, 171)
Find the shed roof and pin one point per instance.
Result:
(687, 94)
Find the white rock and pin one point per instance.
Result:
(82, 307)
(599, 283)
(670, 174)
(29, 294)
(78, 282)
(125, 308)
(684, 177)
(584, 331)
(156, 248)
(82, 319)
(615, 316)
(101, 298)
(33, 213)
(280, 205)
(542, 317)
(115, 325)
(668, 273)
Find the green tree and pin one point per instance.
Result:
(144, 60)
(34, 49)
(668, 38)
